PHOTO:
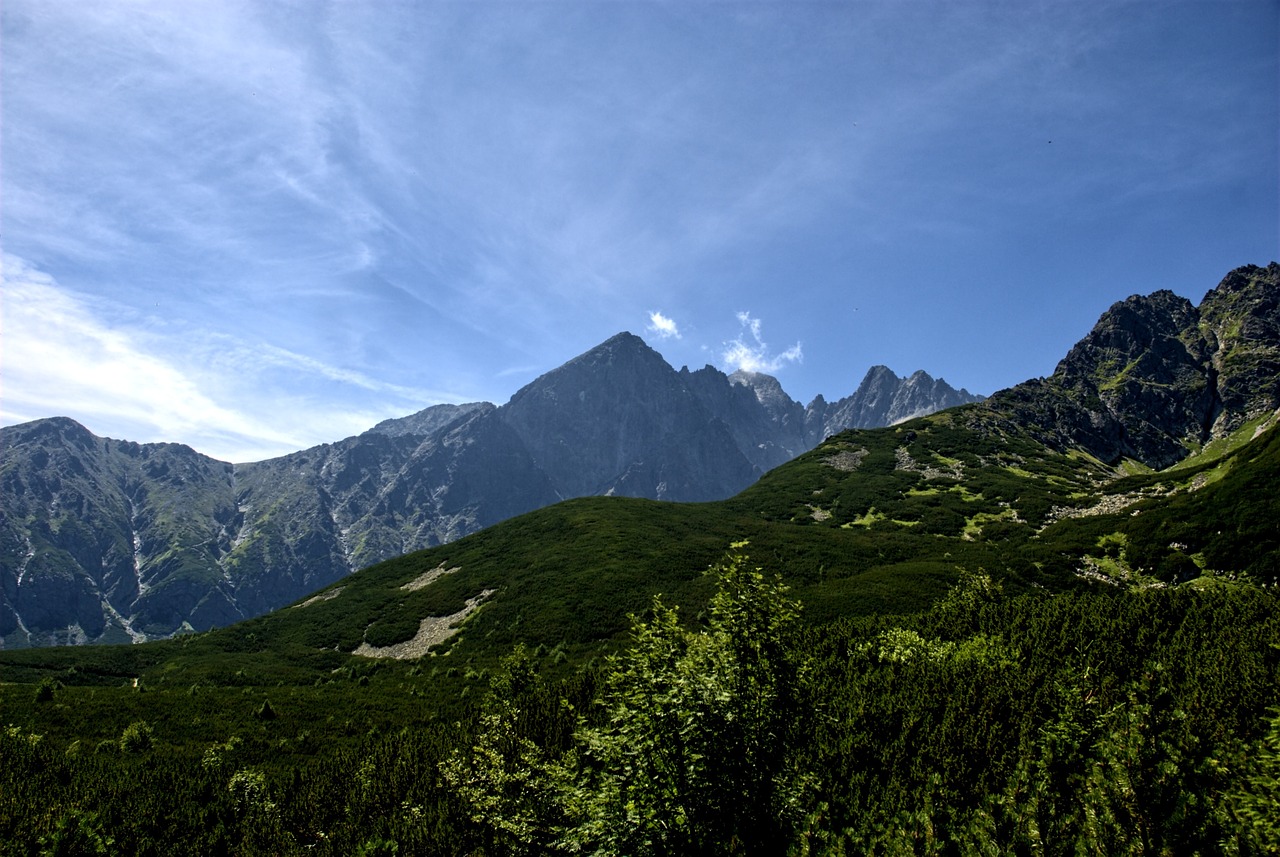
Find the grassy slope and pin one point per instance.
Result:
(871, 522)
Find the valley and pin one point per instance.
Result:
(1046, 622)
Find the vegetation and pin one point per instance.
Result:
(947, 641)
(1127, 721)
(692, 749)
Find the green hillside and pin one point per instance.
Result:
(995, 648)
(870, 523)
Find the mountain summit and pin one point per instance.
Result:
(105, 540)
(1158, 377)
(884, 399)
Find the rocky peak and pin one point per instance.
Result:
(884, 399)
(619, 418)
(1158, 376)
(1240, 321)
(622, 348)
(1140, 332)
(768, 392)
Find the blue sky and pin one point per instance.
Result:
(254, 227)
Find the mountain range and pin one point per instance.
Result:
(106, 540)
(937, 625)
(1057, 484)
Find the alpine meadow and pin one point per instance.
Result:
(1047, 623)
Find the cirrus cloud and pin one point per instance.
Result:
(124, 375)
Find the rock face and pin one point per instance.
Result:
(91, 526)
(1158, 377)
(111, 541)
(619, 420)
(884, 399)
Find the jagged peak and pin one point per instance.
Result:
(767, 388)
(878, 376)
(1245, 277)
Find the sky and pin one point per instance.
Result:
(253, 227)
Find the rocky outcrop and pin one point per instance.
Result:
(1158, 377)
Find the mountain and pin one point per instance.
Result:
(884, 399)
(873, 522)
(618, 420)
(878, 521)
(1158, 378)
(1066, 607)
(104, 540)
(111, 541)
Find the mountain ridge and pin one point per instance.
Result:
(113, 541)
(163, 539)
(1159, 377)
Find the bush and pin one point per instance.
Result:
(389, 632)
(137, 737)
(45, 689)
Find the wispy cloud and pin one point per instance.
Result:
(516, 181)
(662, 327)
(62, 355)
(753, 355)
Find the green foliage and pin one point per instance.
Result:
(76, 835)
(45, 689)
(692, 750)
(137, 737)
(392, 630)
(696, 750)
(378, 847)
(1250, 805)
(1016, 724)
(508, 783)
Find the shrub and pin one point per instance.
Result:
(137, 737)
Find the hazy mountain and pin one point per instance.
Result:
(105, 540)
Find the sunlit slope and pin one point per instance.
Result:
(878, 521)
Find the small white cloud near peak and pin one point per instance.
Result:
(663, 327)
(753, 356)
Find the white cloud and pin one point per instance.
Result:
(754, 356)
(60, 356)
(663, 327)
